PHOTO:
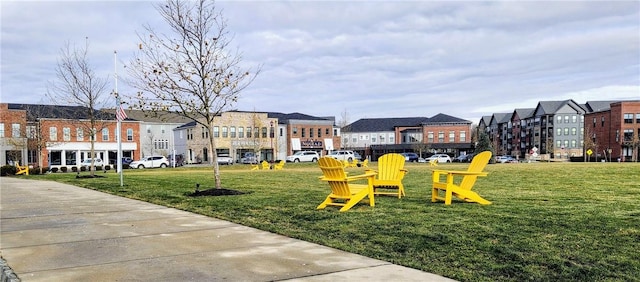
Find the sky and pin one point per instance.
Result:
(360, 59)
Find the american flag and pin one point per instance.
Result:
(120, 114)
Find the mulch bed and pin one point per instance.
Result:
(89, 176)
(216, 192)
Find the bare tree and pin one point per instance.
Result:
(191, 70)
(78, 84)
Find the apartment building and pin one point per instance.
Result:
(613, 130)
(61, 135)
(439, 134)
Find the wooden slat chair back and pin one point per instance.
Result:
(390, 171)
(463, 189)
(265, 165)
(344, 193)
(279, 165)
(22, 169)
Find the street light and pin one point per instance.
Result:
(271, 135)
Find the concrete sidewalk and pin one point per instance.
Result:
(57, 232)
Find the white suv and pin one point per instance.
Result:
(152, 161)
(342, 155)
(442, 158)
(303, 156)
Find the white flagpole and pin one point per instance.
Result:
(118, 127)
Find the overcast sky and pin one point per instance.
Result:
(370, 59)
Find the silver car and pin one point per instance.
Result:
(149, 162)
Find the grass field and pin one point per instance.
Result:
(548, 221)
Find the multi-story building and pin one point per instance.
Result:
(13, 139)
(61, 135)
(156, 131)
(613, 130)
(377, 136)
(521, 132)
(300, 132)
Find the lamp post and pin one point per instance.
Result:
(271, 135)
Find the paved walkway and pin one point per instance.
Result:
(57, 232)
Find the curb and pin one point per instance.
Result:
(7, 274)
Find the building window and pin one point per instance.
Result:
(558, 131)
(295, 130)
(264, 132)
(281, 132)
(441, 137)
(628, 135)
(256, 132)
(574, 131)
(105, 134)
(558, 143)
(190, 134)
(638, 118)
(1, 129)
(232, 131)
(310, 132)
(53, 134)
(31, 131)
(559, 118)
(430, 137)
(573, 143)
(463, 136)
(602, 121)
(205, 133)
(79, 134)
(326, 130)
(566, 119)
(66, 134)
(452, 136)
(240, 132)
(225, 132)
(248, 132)
(216, 131)
(130, 134)
(354, 139)
(303, 134)
(381, 138)
(391, 138)
(594, 122)
(373, 138)
(319, 132)
(628, 118)
(574, 118)
(15, 130)
(566, 131)
(148, 128)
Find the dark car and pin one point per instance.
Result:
(410, 157)
(464, 158)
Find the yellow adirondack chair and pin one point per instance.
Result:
(22, 169)
(354, 163)
(265, 165)
(390, 174)
(344, 193)
(463, 189)
(279, 165)
(433, 162)
(365, 163)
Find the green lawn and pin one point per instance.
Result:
(548, 221)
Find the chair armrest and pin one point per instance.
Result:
(451, 173)
(362, 176)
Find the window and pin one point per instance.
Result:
(264, 132)
(573, 143)
(628, 135)
(256, 132)
(463, 136)
(15, 130)
(326, 130)
(295, 130)
(558, 131)
(1, 129)
(391, 138)
(558, 143)
(638, 118)
(574, 131)
(79, 134)
(594, 122)
(53, 134)
(628, 118)
(248, 132)
(430, 137)
(565, 144)
(225, 132)
(105, 134)
(232, 131)
(559, 119)
(303, 134)
(566, 131)
(566, 119)
(66, 134)
(281, 132)
(319, 132)
(130, 134)
(310, 132)
(574, 118)
(441, 137)
(148, 128)
(205, 133)
(381, 138)
(240, 132)
(190, 134)
(216, 131)
(373, 138)
(452, 136)
(31, 131)
(602, 121)
(354, 139)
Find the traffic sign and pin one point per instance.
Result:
(589, 152)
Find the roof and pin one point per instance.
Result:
(284, 118)
(36, 111)
(552, 107)
(146, 116)
(382, 124)
(525, 112)
(597, 106)
(442, 118)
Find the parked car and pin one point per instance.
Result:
(249, 158)
(505, 159)
(358, 156)
(303, 156)
(442, 158)
(150, 162)
(224, 159)
(342, 155)
(464, 158)
(410, 157)
(87, 162)
(179, 161)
